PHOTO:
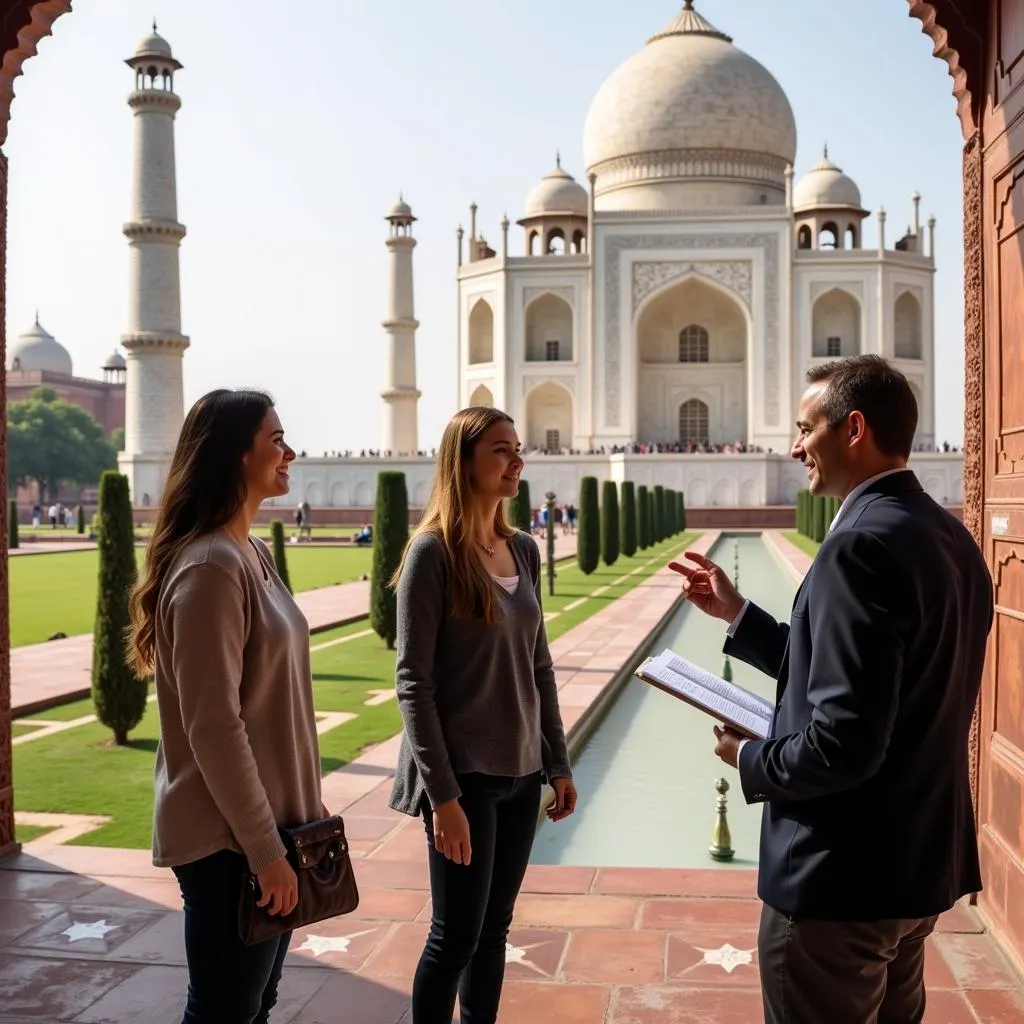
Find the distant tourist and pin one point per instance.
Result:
(229, 652)
(868, 828)
(476, 687)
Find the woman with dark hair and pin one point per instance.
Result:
(476, 687)
(229, 652)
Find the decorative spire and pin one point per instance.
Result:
(558, 159)
(688, 5)
(154, 23)
(826, 150)
(689, 22)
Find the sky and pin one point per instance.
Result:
(298, 131)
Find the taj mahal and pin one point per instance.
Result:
(661, 318)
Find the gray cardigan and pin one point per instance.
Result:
(474, 697)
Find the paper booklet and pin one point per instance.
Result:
(738, 708)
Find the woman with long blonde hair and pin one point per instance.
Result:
(476, 687)
(228, 649)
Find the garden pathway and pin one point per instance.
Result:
(60, 670)
(93, 936)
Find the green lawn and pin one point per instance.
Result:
(77, 771)
(803, 543)
(26, 833)
(56, 593)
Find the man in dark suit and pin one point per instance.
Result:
(868, 829)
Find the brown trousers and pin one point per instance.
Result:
(842, 972)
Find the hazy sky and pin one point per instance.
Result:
(300, 124)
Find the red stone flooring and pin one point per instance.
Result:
(93, 936)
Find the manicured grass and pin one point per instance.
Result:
(805, 544)
(56, 593)
(78, 771)
(26, 833)
(22, 728)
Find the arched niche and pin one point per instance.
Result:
(339, 495)
(907, 327)
(314, 493)
(549, 417)
(836, 321)
(804, 240)
(549, 330)
(829, 236)
(694, 421)
(481, 332)
(482, 396)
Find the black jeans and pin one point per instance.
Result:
(473, 904)
(228, 982)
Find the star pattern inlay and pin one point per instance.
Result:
(88, 930)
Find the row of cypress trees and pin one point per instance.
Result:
(814, 514)
(626, 520)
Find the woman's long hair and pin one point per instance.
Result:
(204, 491)
(447, 514)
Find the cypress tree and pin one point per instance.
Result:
(643, 518)
(519, 511)
(280, 557)
(627, 518)
(80, 518)
(117, 693)
(799, 511)
(652, 532)
(588, 538)
(820, 521)
(12, 524)
(609, 522)
(390, 535)
(659, 532)
(682, 512)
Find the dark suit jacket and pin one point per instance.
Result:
(868, 809)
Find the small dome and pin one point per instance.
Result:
(36, 349)
(115, 361)
(557, 194)
(154, 45)
(825, 186)
(400, 211)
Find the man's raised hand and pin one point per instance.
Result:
(708, 587)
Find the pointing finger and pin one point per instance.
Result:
(695, 556)
(683, 570)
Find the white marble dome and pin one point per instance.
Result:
(557, 194)
(825, 186)
(400, 211)
(690, 105)
(36, 349)
(154, 45)
(115, 361)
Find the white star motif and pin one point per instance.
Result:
(517, 955)
(90, 930)
(727, 957)
(320, 944)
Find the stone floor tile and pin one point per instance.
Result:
(354, 999)
(720, 883)
(407, 844)
(552, 879)
(53, 990)
(937, 973)
(961, 918)
(375, 805)
(397, 874)
(558, 911)
(996, 1005)
(679, 914)
(104, 862)
(975, 961)
(534, 955)
(527, 1002)
(152, 995)
(79, 929)
(712, 958)
(20, 916)
(948, 1008)
(359, 826)
(338, 943)
(615, 957)
(391, 904)
(136, 893)
(163, 942)
(44, 885)
(399, 954)
(673, 1004)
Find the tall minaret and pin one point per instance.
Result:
(154, 397)
(399, 435)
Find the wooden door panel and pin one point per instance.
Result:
(1008, 209)
(1008, 77)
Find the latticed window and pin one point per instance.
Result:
(693, 421)
(693, 344)
(551, 351)
(552, 442)
(833, 347)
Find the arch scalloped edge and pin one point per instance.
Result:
(43, 14)
(965, 102)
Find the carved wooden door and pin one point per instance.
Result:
(1001, 717)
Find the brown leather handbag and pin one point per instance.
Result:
(318, 854)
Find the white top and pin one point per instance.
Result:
(508, 583)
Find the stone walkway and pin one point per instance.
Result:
(61, 670)
(93, 936)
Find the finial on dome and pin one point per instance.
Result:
(558, 159)
(826, 150)
(37, 316)
(154, 22)
(688, 5)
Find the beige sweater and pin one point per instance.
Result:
(238, 753)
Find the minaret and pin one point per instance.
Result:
(154, 397)
(399, 435)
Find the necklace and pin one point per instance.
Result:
(487, 547)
